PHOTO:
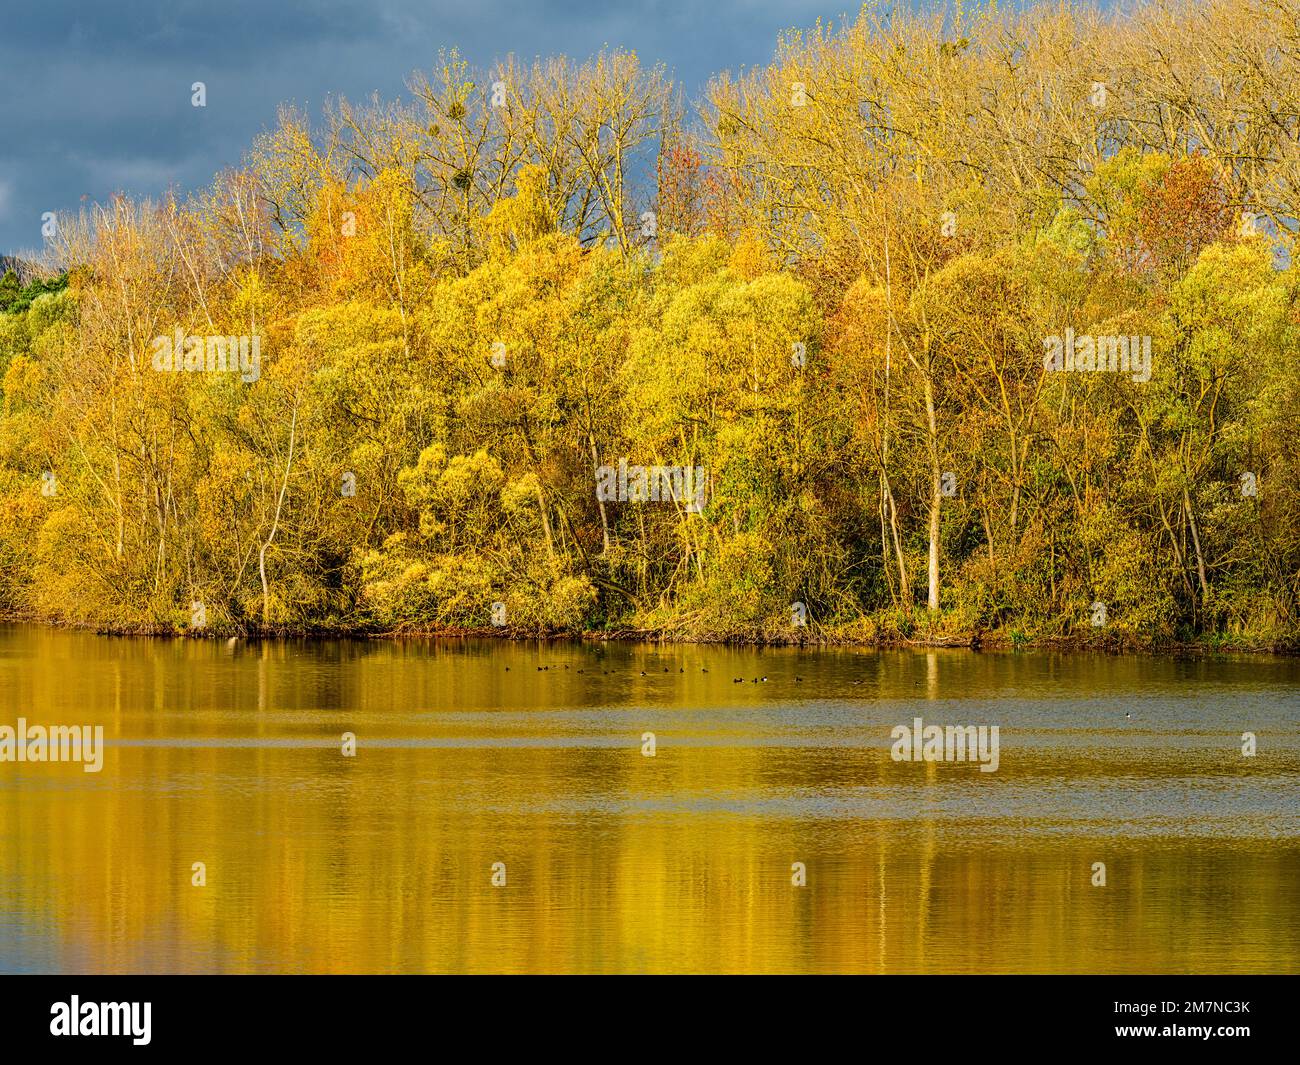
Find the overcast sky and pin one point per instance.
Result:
(95, 95)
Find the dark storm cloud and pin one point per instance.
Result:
(97, 95)
(141, 27)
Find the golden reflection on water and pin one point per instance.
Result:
(616, 862)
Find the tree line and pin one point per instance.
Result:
(836, 284)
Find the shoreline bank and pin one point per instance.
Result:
(1112, 643)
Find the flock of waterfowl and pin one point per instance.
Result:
(735, 680)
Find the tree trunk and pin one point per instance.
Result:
(936, 495)
(595, 469)
(275, 524)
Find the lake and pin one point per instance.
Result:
(522, 763)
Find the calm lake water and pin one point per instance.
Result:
(468, 755)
